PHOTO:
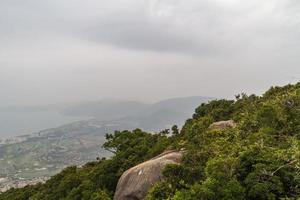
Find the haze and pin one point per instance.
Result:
(55, 51)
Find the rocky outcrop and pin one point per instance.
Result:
(223, 124)
(135, 182)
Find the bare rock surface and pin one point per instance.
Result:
(223, 124)
(136, 181)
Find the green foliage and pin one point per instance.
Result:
(217, 109)
(160, 191)
(257, 159)
(100, 195)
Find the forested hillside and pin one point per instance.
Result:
(259, 158)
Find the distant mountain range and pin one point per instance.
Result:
(148, 116)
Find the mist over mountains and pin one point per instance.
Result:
(147, 116)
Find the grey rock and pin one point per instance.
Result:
(223, 124)
(135, 182)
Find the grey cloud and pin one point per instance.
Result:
(193, 27)
(73, 50)
(199, 28)
(141, 35)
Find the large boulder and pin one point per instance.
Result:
(223, 124)
(135, 182)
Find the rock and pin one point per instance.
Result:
(223, 124)
(136, 181)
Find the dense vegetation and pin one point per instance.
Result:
(257, 159)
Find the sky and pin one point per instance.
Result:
(57, 51)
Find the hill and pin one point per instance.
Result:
(257, 157)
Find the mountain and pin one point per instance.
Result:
(247, 148)
(147, 116)
(166, 113)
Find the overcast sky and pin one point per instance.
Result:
(54, 51)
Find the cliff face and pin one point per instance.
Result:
(135, 182)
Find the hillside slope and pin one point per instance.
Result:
(259, 158)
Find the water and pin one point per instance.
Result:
(20, 122)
